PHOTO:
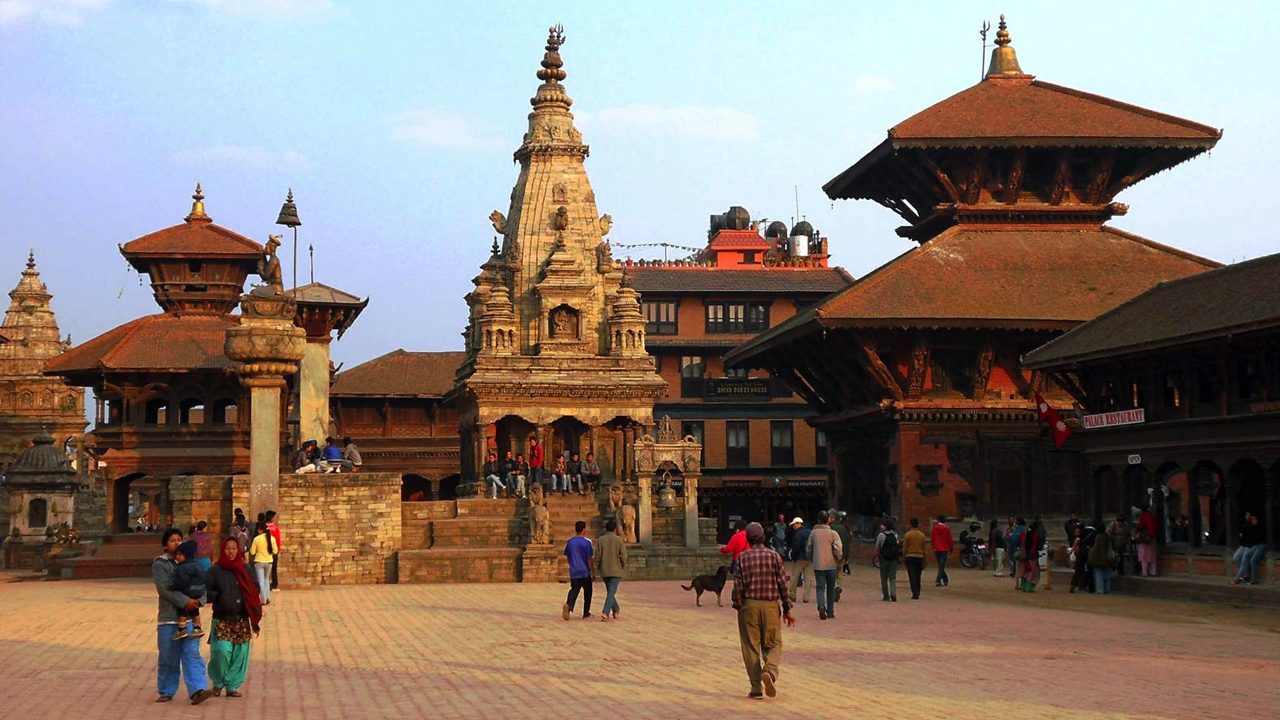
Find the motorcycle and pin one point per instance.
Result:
(973, 554)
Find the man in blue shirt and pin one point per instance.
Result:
(579, 551)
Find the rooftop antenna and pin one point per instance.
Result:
(311, 253)
(796, 188)
(982, 61)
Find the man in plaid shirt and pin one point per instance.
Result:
(759, 585)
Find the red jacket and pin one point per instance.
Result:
(535, 457)
(1148, 522)
(736, 545)
(941, 538)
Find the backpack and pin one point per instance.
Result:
(890, 549)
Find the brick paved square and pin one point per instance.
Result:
(86, 649)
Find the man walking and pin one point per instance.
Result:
(800, 565)
(889, 548)
(737, 544)
(579, 551)
(825, 552)
(758, 588)
(176, 657)
(612, 560)
(941, 539)
(913, 555)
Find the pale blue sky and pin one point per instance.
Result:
(394, 123)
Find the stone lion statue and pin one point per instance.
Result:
(627, 519)
(539, 525)
(615, 497)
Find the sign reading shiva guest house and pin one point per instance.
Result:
(1113, 419)
(730, 389)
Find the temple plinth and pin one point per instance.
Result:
(268, 346)
(320, 311)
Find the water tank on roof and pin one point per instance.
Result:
(777, 229)
(800, 235)
(737, 218)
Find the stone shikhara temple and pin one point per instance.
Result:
(555, 345)
(30, 401)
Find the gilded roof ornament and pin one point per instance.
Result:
(31, 259)
(197, 205)
(1004, 59)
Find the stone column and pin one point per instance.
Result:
(691, 539)
(268, 346)
(644, 489)
(313, 389)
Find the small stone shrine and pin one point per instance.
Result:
(41, 486)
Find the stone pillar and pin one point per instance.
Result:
(615, 461)
(264, 442)
(268, 346)
(691, 537)
(644, 489)
(313, 389)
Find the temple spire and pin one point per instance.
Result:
(197, 206)
(1004, 59)
(550, 92)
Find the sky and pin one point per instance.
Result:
(394, 124)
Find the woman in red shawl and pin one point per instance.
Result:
(237, 613)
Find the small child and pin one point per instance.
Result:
(188, 579)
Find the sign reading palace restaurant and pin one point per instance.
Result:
(1112, 419)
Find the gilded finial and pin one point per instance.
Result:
(197, 205)
(1004, 59)
(31, 259)
(494, 250)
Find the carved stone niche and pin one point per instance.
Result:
(564, 323)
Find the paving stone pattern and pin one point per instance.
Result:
(976, 649)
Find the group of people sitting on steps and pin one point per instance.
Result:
(507, 476)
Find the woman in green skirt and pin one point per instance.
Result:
(237, 612)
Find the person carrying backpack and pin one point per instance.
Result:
(889, 549)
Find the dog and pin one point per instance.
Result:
(709, 583)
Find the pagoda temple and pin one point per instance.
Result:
(31, 403)
(167, 401)
(1007, 188)
(555, 344)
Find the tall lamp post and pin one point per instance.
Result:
(289, 218)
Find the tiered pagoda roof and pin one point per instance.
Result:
(198, 270)
(1007, 186)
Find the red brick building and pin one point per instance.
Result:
(914, 370)
(760, 458)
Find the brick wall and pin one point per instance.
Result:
(338, 529)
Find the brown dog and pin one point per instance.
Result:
(709, 583)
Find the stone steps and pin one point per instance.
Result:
(476, 532)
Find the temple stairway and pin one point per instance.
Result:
(482, 540)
